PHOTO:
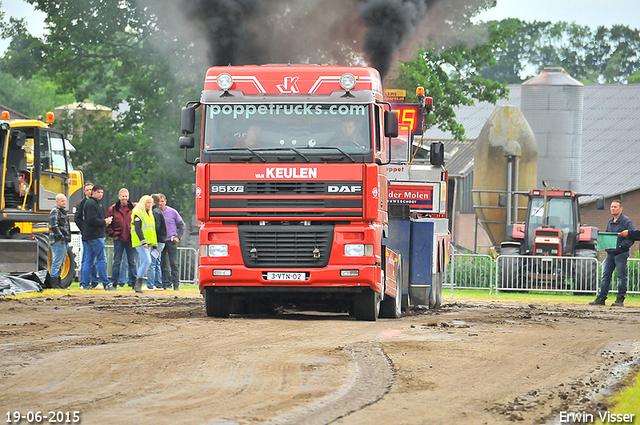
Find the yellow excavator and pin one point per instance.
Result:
(35, 167)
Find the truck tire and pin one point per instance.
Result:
(391, 308)
(435, 297)
(585, 273)
(366, 305)
(216, 305)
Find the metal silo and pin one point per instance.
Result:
(553, 104)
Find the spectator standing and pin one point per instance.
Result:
(154, 274)
(175, 230)
(120, 231)
(616, 257)
(92, 281)
(95, 225)
(143, 237)
(59, 238)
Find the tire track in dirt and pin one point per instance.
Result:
(369, 378)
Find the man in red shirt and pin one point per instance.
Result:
(120, 231)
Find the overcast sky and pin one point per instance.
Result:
(583, 12)
(593, 13)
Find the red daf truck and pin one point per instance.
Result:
(291, 190)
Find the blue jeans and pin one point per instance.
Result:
(59, 250)
(145, 260)
(93, 275)
(154, 274)
(95, 252)
(119, 247)
(619, 263)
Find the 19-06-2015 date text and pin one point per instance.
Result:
(47, 417)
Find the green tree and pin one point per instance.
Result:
(122, 55)
(606, 55)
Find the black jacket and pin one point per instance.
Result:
(94, 224)
(622, 244)
(79, 215)
(161, 227)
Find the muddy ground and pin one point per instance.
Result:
(155, 358)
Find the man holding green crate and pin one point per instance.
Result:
(616, 257)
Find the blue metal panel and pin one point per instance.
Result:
(399, 236)
(420, 272)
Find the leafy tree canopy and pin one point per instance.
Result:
(606, 55)
(451, 74)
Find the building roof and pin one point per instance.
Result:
(610, 137)
(14, 114)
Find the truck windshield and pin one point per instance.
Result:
(272, 126)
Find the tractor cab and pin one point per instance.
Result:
(552, 226)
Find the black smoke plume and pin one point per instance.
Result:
(224, 23)
(389, 23)
(344, 32)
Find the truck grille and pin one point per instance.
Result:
(285, 188)
(284, 246)
(276, 198)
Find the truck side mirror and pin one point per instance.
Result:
(600, 203)
(187, 142)
(436, 153)
(390, 123)
(188, 120)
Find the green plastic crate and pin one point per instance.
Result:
(607, 240)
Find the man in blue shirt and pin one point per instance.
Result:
(616, 257)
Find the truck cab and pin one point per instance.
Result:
(291, 187)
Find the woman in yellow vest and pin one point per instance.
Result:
(143, 236)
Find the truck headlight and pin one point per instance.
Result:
(224, 81)
(358, 250)
(214, 250)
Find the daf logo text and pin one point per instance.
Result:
(344, 189)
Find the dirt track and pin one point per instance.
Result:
(120, 358)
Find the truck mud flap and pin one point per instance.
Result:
(419, 295)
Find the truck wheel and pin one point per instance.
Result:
(391, 308)
(216, 305)
(435, 298)
(585, 273)
(367, 305)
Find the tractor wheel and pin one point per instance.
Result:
(68, 271)
(585, 272)
(510, 269)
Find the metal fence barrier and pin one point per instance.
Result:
(188, 260)
(528, 273)
(556, 274)
(633, 277)
(470, 271)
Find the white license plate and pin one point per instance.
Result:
(285, 276)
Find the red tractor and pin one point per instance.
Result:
(562, 250)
